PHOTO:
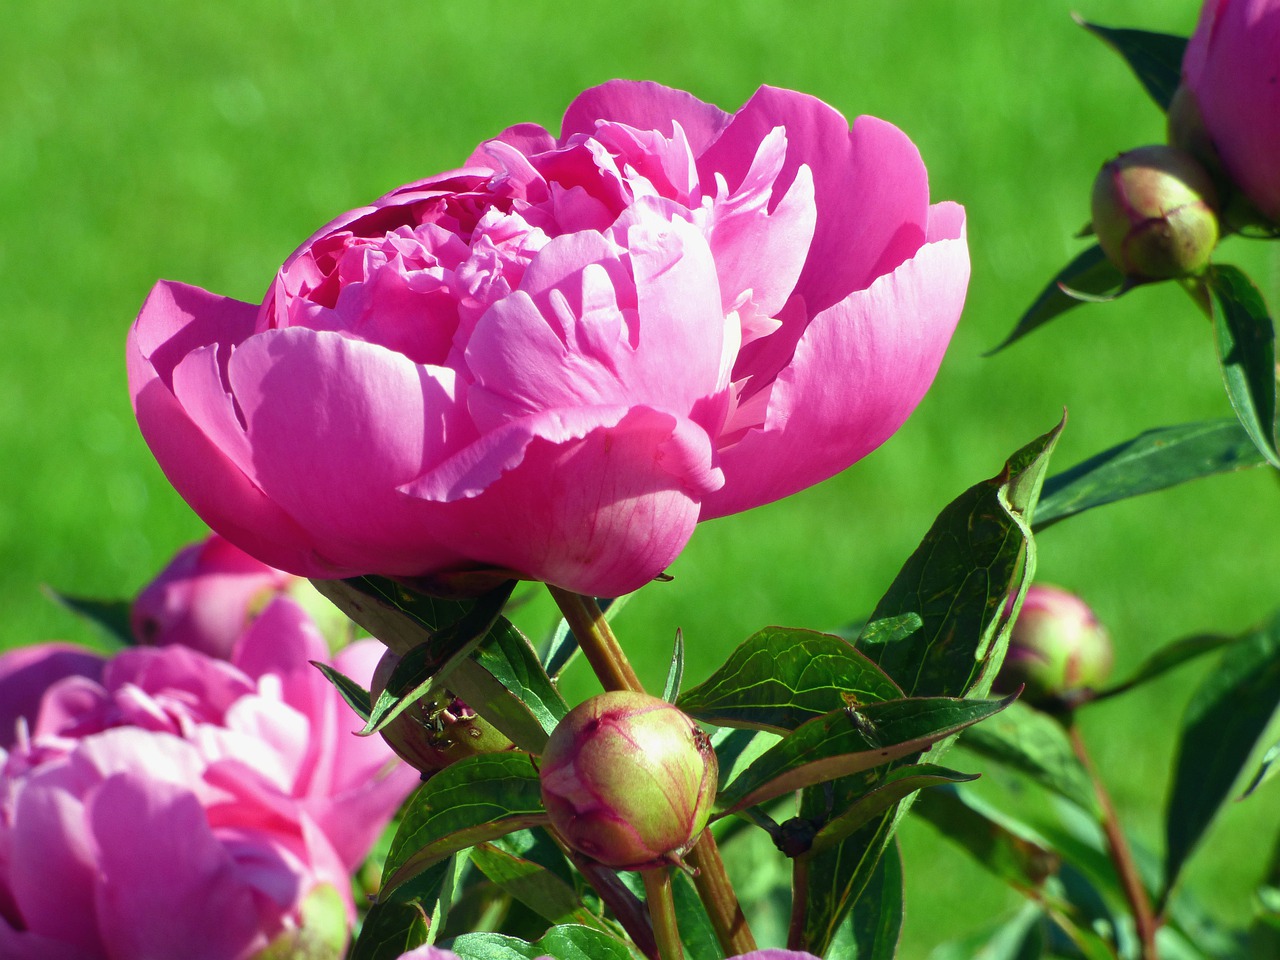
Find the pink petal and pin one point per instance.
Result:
(859, 370)
(646, 106)
(870, 187)
(27, 672)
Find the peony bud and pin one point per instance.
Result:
(1155, 213)
(629, 780)
(436, 731)
(1058, 648)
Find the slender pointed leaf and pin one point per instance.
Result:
(696, 930)
(1246, 341)
(111, 619)
(1168, 657)
(1154, 460)
(1035, 744)
(561, 943)
(1223, 721)
(1266, 770)
(562, 646)
(781, 677)
(356, 696)
(834, 745)
(675, 673)
(402, 921)
(1155, 58)
(959, 580)
(1089, 273)
(1019, 937)
(476, 799)
(395, 615)
(874, 925)
(897, 784)
(534, 885)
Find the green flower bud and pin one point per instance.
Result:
(1058, 648)
(1155, 213)
(629, 780)
(436, 731)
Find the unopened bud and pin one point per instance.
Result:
(1058, 648)
(438, 730)
(629, 780)
(1155, 213)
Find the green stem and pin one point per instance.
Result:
(799, 900)
(1144, 918)
(599, 645)
(662, 912)
(604, 653)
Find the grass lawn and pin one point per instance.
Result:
(204, 142)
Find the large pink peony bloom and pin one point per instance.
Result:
(206, 597)
(163, 803)
(559, 358)
(1232, 67)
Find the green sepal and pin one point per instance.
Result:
(110, 619)
(1155, 58)
(1090, 274)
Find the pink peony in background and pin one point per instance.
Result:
(1231, 68)
(560, 357)
(164, 803)
(206, 597)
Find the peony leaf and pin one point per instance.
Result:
(561, 943)
(562, 646)
(403, 921)
(1267, 769)
(781, 677)
(845, 742)
(874, 925)
(897, 783)
(1222, 723)
(478, 798)
(1246, 342)
(1033, 743)
(1155, 58)
(1154, 460)
(1168, 657)
(675, 672)
(394, 614)
(542, 891)
(356, 696)
(110, 619)
(977, 553)
(1090, 274)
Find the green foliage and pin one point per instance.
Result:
(110, 619)
(563, 943)
(1089, 277)
(1155, 58)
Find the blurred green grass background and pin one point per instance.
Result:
(203, 142)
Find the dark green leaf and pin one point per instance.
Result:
(534, 885)
(402, 921)
(504, 681)
(1155, 58)
(1246, 341)
(1224, 719)
(1013, 858)
(394, 614)
(357, 697)
(561, 943)
(837, 745)
(1035, 744)
(781, 677)
(476, 799)
(1266, 770)
(959, 579)
(1168, 657)
(1154, 460)
(874, 925)
(897, 783)
(111, 619)
(675, 673)
(696, 931)
(1090, 273)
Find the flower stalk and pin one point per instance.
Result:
(601, 648)
(662, 911)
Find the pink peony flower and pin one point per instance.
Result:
(1230, 68)
(559, 358)
(164, 803)
(206, 597)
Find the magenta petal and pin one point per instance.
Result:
(27, 672)
(336, 425)
(167, 886)
(859, 370)
(870, 187)
(646, 106)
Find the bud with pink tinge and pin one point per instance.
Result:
(1155, 213)
(1058, 648)
(629, 780)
